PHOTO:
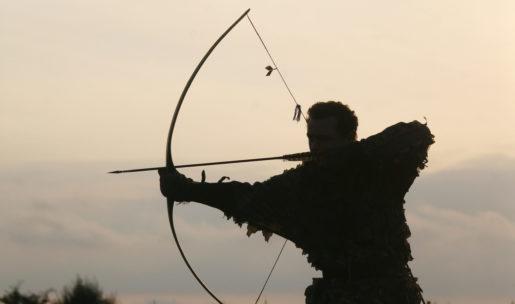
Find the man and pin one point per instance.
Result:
(343, 207)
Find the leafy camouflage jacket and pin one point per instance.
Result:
(345, 213)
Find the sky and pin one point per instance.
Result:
(87, 87)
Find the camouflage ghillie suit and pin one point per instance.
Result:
(346, 214)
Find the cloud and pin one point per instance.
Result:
(63, 232)
(477, 185)
(463, 224)
(56, 222)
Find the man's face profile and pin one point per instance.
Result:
(323, 135)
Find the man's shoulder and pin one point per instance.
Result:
(402, 143)
(397, 143)
(290, 174)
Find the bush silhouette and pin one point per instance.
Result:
(84, 291)
(14, 296)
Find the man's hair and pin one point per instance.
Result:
(347, 120)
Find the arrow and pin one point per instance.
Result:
(287, 157)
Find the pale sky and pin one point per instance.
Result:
(90, 86)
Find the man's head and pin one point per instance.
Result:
(331, 125)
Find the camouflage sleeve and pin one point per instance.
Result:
(399, 153)
(264, 206)
(402, 140)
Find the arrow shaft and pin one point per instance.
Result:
(290, 157)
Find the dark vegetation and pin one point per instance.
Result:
(80, 291)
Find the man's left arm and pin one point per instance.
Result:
(263, 205)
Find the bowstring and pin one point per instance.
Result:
(271, 270)
(297, 108)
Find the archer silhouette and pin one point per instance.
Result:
(343, 207)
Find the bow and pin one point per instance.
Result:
(169, 157)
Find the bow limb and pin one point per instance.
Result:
(169, 159)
